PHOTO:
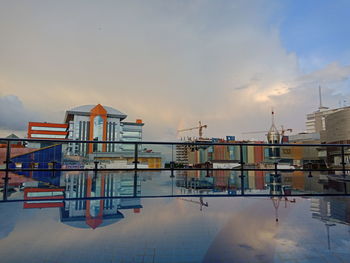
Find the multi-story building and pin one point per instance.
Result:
(95, 123)
(338, 127)
(338, 132)
(46, 130)
(316, 122)
(100, 123)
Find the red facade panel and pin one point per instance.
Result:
(42, 132)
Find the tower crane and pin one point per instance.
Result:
(200, 129)
(282, 131)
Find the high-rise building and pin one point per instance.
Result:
(316, 121)
(100, 123)
(338, 127)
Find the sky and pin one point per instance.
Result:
(173, 63)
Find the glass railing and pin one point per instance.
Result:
(53, 170)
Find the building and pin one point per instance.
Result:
(100, 123)
(338, 127)
(182, 154)
(46, 130)
(273, 137)
(338, 132)
(44, 158)
(95, 123)
(331, 209)
(315, 121)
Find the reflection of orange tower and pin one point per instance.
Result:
(95, 187)
(98, 110)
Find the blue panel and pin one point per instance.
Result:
(41, 159)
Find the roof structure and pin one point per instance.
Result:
(85, 110)
(12, 136)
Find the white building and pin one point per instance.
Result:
(100, 123)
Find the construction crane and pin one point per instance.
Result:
(200, 202)
(200, 129)
(283, 131)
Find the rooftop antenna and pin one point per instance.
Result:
(319, 93)
(321, 107)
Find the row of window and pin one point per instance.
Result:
(39, 128)
(54, 136)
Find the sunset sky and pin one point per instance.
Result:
(173, 63)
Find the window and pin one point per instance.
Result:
(38, 128)
(45, 194)
(98, 133)
(128, 147)
(131, 139)
(55, 136)
(131, 134)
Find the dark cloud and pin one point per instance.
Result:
(13, 114)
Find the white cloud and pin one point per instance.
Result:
(169, 63)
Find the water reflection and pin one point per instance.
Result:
(114, 184)
(96, 213)
(259, 182)
(179, 229)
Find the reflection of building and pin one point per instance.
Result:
(98, 212)
(55, 196)
(275, 184)
(331, 211)
(101, 123)
(182, 154)
(334, 209)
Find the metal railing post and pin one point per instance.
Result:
(6, 178)
(53, 168)
(310, 169)
(172, 166)
(96, 168)
(343, 167)
(207, 167)
(135, 168)
(242, 168)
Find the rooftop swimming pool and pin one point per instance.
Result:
(182, 229)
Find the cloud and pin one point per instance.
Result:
(13, 115)
(168, 63)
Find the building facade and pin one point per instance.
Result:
(338, 127)
(46, 130)
(100, 123)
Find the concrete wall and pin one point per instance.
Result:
(338, 127)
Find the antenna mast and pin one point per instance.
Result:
(320, 95)
(321, 107)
